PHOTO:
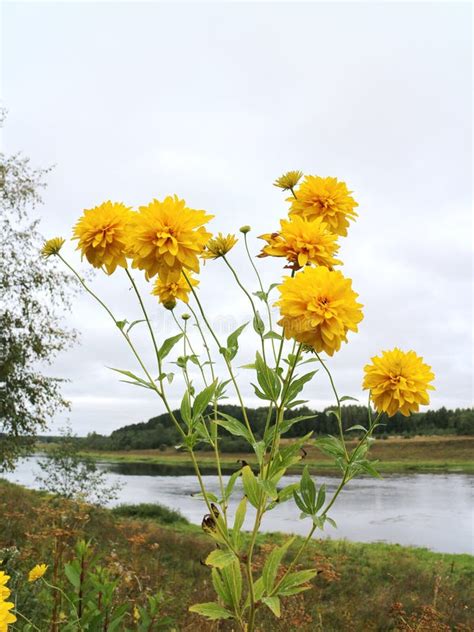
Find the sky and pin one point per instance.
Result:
(133, 101)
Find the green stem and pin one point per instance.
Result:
(227, 362)
(339, 418)
(248, 295)
(269, 311)
(183, 330)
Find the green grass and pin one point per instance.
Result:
(150, 511)
(357, 588)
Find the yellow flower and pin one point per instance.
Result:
(318, 308)
(52, 247)
(166, 237)
(37, 572)
(101, 232)
(326, 198)
(302, 242)
(288, 180)
(398, 381)
(136, 614)
(170, 291)
(4, 591)
(6, 616)
(219, 246)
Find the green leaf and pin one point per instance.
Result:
(268, 379)
(295, 580)
(135, 322)
(251, 488)
(185, 409)
(346, 398)
(331, 446)
(234, 426)
(288, 423)
(121, 324)
(261, 295)
(212, 611)
(168, 344)
(133, 377)
(230, 484)
(357, 427)
(259, 449)
(308, 490)
(258, 324)
(274, 604)
(321, 498)
(240, 516)
(202, 400)
(233, 343)
(272, 563)
(300, 504)
(272, 334)
(269, 488)
(73, 574)
(287, 492)
(297, 386)
(220, 558)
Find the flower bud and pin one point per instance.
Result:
(245, 229)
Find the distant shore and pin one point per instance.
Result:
(395, 454)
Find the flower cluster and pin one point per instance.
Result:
(6, 617)
(166, 239)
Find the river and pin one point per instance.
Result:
(430, 510)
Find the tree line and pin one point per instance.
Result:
(159, 433)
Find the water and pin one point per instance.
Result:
(431, 510)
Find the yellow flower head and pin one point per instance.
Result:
(6, 616)
(288, 180)
(136, 614)
(4, 591)
(168, 292)
(302, 242)
(326, 198)
(166, 237)
(319, 307)
(52, 247)
(398, 381)
(37, 572)
(101, 232)
(219, 246)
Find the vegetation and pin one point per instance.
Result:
(150, 511)
(34, 297)
(410, 589)
(159, 433)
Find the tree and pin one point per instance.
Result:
(33, 297)
(68, 474)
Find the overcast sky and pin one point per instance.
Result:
(132, 101)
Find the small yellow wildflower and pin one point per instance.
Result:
(37, 572)
(302, 242)
(319, 307)
(4, 590)
(136, 614)
(101, 233)
(219, 246)
(326, 198)
(6, 616)
(170, 291)
(398, 382)
(288, 180)
(166, 237)
(52, 247)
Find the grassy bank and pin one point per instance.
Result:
(419, 454)
(369, 587)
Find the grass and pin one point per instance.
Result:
(150, 511)
(419, 454)
(359, 587)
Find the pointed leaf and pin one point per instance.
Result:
(212, 611)
(168, 344)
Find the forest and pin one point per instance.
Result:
(159, 433)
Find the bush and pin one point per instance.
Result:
(151, 511)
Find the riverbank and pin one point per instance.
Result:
(395, 455)
(368, 587)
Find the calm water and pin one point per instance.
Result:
(432, 510)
